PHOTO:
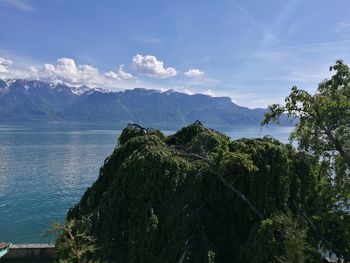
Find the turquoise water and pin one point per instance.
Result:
(45, 169)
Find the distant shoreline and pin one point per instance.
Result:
(120, 126)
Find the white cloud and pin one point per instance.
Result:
(67, 71)
(150, 66)
(121, 75)
(194, 73)
(4, 65)
(111, 75)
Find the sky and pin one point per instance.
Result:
(252, 51)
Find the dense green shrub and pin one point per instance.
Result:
(197, 196)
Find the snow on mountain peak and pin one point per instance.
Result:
(87, 90)
(59, 87)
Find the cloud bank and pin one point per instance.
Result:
(67, 71)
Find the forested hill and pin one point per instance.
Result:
(30, 100)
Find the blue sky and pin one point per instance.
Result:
(251, 51)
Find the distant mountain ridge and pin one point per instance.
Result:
(31, 100)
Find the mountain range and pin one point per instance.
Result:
(36, 101)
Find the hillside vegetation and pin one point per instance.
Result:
(197, 196)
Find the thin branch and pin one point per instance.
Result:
(242, 197)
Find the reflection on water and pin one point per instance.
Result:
(44, 170)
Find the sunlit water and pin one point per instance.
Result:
(44, 170)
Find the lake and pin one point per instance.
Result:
(45, 169)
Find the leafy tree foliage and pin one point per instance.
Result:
(324, 119)
(73, 241)
(323, 131)
(197, 196)
(280, 238)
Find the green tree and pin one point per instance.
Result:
(323, 130)
(73, 241)
(196, 196)
(281, 238)
(323, 127)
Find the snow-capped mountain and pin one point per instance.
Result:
(32, 100)
(35, 85)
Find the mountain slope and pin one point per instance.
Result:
(30, 100)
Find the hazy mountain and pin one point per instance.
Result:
(31, 100)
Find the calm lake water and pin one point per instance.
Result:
(44, 170)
